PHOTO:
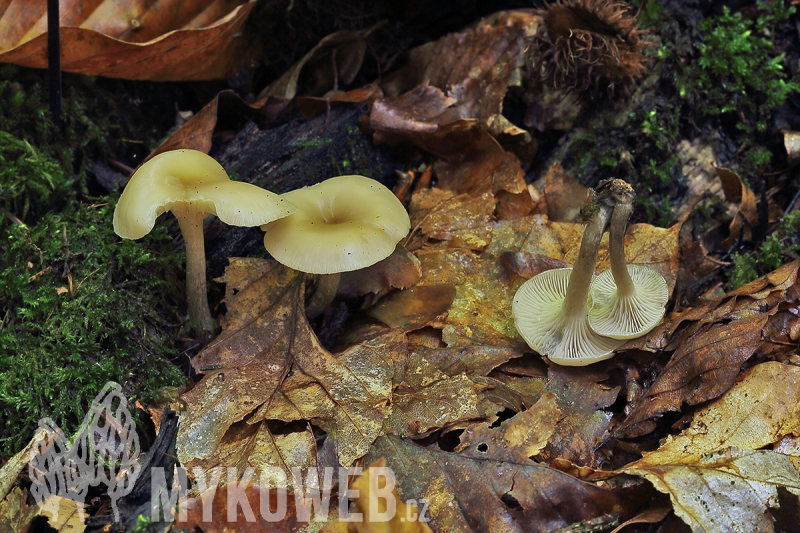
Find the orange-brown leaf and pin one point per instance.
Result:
(132, 39)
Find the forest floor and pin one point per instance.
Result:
(489, 121)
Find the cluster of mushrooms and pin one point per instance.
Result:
(342, 224)
(576, 318)
(351, 222)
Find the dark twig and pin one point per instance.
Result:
(54, 61)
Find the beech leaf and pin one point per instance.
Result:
(132, 39)
(485, 495)
(716, 477)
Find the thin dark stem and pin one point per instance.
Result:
(54, 61)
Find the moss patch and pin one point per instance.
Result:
(81, 307)
(773, 252)
(78, 305)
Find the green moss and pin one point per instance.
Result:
(737, 69)
(81, 307)
(31, 183)
(771, 254)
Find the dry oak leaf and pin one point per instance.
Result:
(488, 496)
(715, 475)
(168, 40)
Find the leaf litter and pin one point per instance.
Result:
(440, 361)
(432, 377)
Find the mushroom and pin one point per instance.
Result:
(628, 300)
(551, 310)
(342, 224)
(192, 185)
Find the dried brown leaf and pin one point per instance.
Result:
(63, 515)
(714, 478)
(339, 55)
(265, 334)
(131, 39)
(14, 466)
(485, 495)
(248, 515)
(473, 67)
(460, 221)
(746, 215)
(347, 395)
(517, 439)
(415, 307)
(703, 368)
(481, 311)
(225, 110)
(758, 296)
(584, 404)
(536, 234)
(565, 196)
(431, 401)
(400, 270)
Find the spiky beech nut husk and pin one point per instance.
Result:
(592, 46)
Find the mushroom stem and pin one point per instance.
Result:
(191, 224)
(327, 285)
(580, 280)
(616, 245)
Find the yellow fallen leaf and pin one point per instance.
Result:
(715, 475)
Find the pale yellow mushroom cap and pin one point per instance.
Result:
(630, 316)
(340, 225)
(540, 319)
(191, 179)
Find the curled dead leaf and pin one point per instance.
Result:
(166, 41)
(716, 479)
